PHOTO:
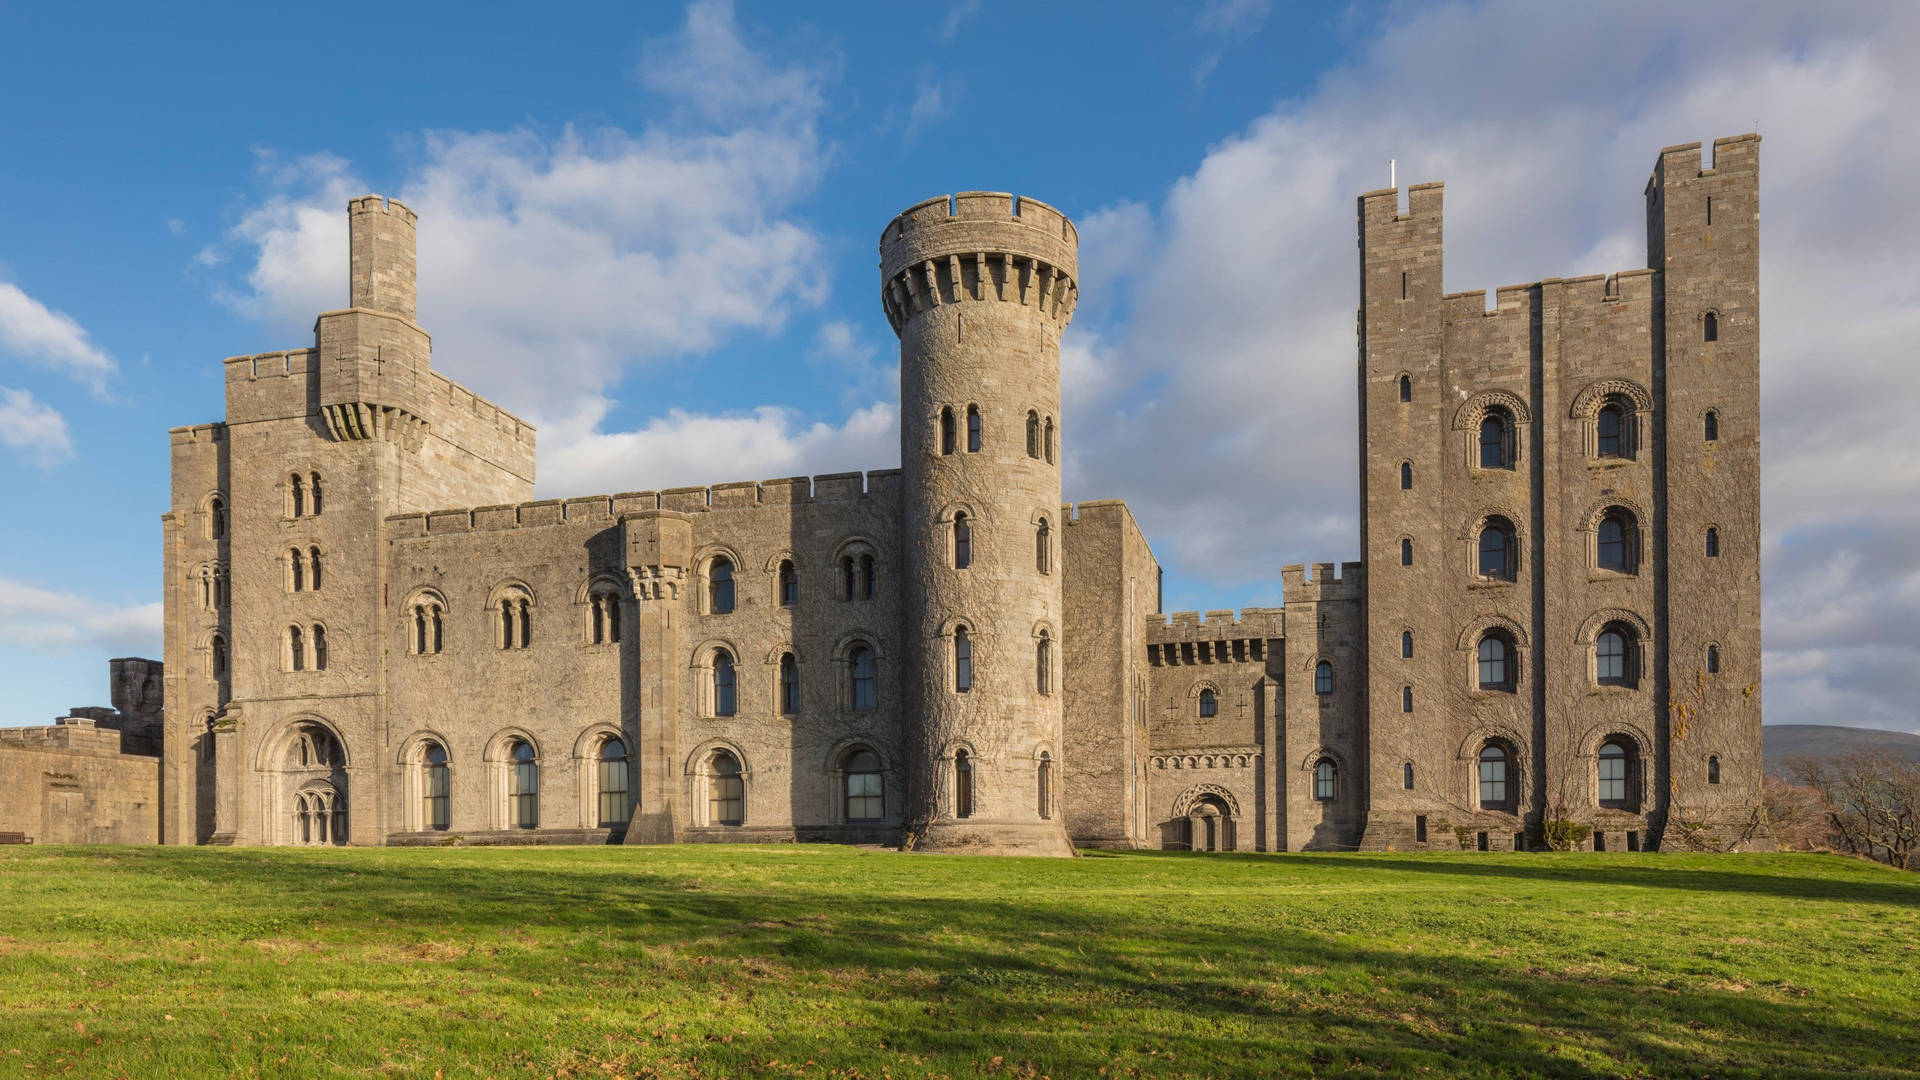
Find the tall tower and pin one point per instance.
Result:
(979, 287)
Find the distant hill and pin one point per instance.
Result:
(1782, 741)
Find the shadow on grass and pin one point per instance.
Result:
(1080, 979)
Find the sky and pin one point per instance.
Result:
(650, 230)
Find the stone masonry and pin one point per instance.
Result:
(375, 635)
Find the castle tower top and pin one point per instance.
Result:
(980, 245)
(381, 237)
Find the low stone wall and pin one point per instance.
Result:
(71, 783)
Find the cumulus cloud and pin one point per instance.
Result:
(50, 339)
(49, 622)
(933, 99)
(1230, 327)
(683, 449)
(552, 267)
(32, 427)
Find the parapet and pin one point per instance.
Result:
(1260, 622)
(607, 509)
(979, 245)
(1325, 584)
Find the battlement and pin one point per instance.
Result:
(380, 204)
(1185, 638)
(197, 433)
(1325, 583)
(1683, 161)
(609, 509)
(1382, 205)
(978, 245)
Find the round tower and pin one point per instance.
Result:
(979, 287)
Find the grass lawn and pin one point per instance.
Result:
(822, 961)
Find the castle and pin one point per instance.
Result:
(375, 635)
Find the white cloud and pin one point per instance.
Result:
(685, 449)
(933, 99)
(959, 14)
(29, 330)
(550, 267)
(29, 425)
(1225, 21)
(49, 622)
(1236, 342)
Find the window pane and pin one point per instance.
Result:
(1493, 778)
(1493, 552)
(1609, 431)
(1610, 657)
(724, 701)
(863, 681)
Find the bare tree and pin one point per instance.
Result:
(1872, 803)
(1796, 816)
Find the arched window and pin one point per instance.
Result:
(523, 786)
(1711, 329)
(1406, 552)
(1494, 789)
(973, 429)
(1713, 543)
(319, 647)
(847, 577)
(296, 572)
(1049, 440)
(860, 660)
(1406, 476)
(296, 496)
(605, 605)
(789, 584)
(1613, 769)
(1610, 428)
(1406, 388)
(1498, 552)
(1043, 663)
(1406, 699)
(1324, 776)
(615, 807)
(217, 657)
(962, 784)
(726, 791)
(313, 492)
(217, 518)
(1713, 768)
(426, 627)
(962, 541)
(1323, 678)
(1043, 547)
(1209, 703)
(866, 792)
(313, 568)
(720, 586)
(946, 429)
(1496, 440)
(1713, 659)
(1406, 644)
(296, 649)
(1044, 798)
(1033, 434)
(725, 699)
(436, 788)
(789, 685)
(866, 577)
(1613, 657)
(962, 660)
(1615, 548)
(1712, 425)
(1496, 662)
(1406, 775)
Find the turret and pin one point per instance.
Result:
(380, 234)
(979, 287)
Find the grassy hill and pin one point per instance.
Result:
(1782, 741)
(816, 961)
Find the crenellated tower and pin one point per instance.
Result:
(979, 287)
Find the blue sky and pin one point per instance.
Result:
(651, 230)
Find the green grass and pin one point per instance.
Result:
(805, 961)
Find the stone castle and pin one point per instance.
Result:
(375, 635)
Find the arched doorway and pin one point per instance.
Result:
(1210, 825)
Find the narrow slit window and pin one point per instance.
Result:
(946, 430)
(973, 429)
(1406, 476)
(1406, 388)
(1711, 330)
(962, 661)
(962, 542)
